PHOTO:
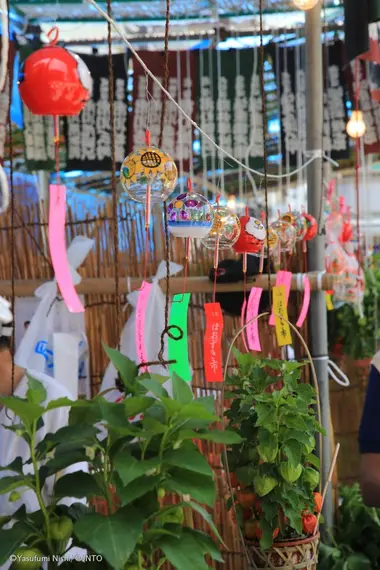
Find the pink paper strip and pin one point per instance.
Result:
(283, 278)
(242, 321)
(305, 303)
(252, 311)
(142, 303)
(57, 245)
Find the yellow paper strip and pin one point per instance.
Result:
(283, 334)
(329, 303)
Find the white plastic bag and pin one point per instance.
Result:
(35, 350)
(154, 325)
(12, 446)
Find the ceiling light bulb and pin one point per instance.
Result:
(356, 126)
(305, 4)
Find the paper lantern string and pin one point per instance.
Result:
(53, 35)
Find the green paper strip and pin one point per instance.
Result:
(178, 349)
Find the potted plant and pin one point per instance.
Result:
(275, 472)
(356, 541)
(143, 461)
(352, 335)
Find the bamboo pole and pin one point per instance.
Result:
(106, 285)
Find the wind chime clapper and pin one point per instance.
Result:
(55, 82)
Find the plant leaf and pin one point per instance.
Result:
(155, 387)
(85, 436)
(184, 552)
(191, 460)
(36, 393)
(313, 460)
(137, 404)
(79, 485)
(138, 488)
(293, 451)
(11, 539)
(182, 392)
(26, 411)
(227, 437)
(130, 468)
(205, 544)
(8, 484)
(196, 410)
(114, 537)
(127, 368)
(15, 466)
(207, 517)
(199, 487)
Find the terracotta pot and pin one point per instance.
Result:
(299, 554)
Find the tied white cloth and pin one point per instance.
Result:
(154, 325)
(36, 347)
(12, 446)
(6, 317)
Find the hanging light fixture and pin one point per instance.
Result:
(305, 4)
(356, 126)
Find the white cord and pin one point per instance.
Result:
(300, 286)
(4, 43)
(343, 380)
(4, 191)
(195, 125)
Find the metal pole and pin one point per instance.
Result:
(318, 315)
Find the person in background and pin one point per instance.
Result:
(7, 371)
(369, 438)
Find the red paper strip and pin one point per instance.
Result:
(57, 246)
(213, 343)
(306, 302)
(283, 278)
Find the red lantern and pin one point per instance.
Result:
(252, 236)
(312, 227)
(54, 81)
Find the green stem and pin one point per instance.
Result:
(161, 563)
(139, 560)
(106, 478)
(38, 490)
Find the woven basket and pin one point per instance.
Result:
(292, 555)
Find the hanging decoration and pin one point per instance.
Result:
(148, 175)
(253, 337)
(212, 343)
(286, 235)
(280, 302)
(224, 233)
(141, 308)
(298, 222)
(178, 346)
(311, 226)
(190, 215)
(55, 81)
(305, 302)
(283, 279)
(252, 236)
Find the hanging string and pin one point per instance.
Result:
(168, 330)
(264, 115)
(279, 184)
(314, 154)
(13, 245)
(180, 121)
(190, 141)
(115, 225)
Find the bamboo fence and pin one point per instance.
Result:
(31, 261)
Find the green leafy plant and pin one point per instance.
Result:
(356, 542)
(346, 320)
(275, 471)
(132, 467)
